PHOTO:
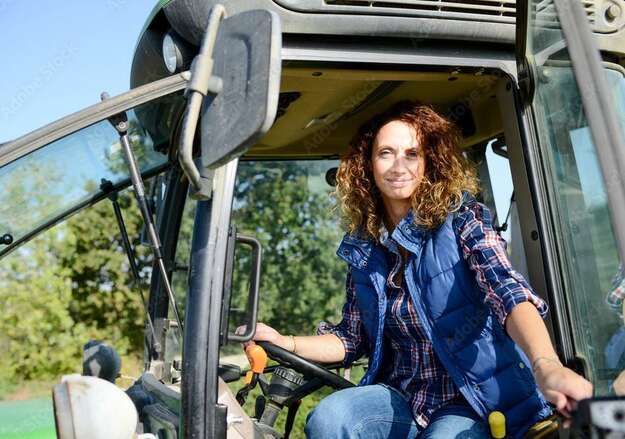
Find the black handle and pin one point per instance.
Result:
(252, 299)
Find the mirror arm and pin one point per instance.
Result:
(201, 84)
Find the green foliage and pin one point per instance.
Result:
(37, 333)
(70, 284)
(74, 282)
(302, 279)
(103, 293)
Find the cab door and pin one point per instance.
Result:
(572, 114)
(247, 68)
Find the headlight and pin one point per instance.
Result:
(171, 53)
(90, 407)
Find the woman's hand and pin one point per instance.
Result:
(561, 386)
(619, 384)
(267, 333)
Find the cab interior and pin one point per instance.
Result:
(321, 107)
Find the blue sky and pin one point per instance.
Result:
(58, 56)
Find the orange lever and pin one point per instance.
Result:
(257, 358)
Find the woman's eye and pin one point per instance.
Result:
(412, 154)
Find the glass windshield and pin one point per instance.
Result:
(591, 269)
(42, 186)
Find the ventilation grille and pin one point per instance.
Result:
(486, 7)
(505, 10)
(502, 11)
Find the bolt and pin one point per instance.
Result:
(612, 12)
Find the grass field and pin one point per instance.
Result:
(28, 413)
(30, 419)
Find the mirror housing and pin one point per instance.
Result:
(247, 59)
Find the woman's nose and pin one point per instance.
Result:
(399, 164)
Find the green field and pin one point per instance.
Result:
(31, 419)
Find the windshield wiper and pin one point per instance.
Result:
(120, 123)
(107, 187)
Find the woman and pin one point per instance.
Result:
(451, 331)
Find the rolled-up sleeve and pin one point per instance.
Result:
(485, 252)
(350, 329)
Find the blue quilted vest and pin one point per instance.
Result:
(486, 365)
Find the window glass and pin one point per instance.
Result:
(69, 285)
(287, 206)
(579, 205)
(43, 185)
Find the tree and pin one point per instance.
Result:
(38, 336)
(302, 280)
(103, 292)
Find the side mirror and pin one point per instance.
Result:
(247, 59)
(235, 85)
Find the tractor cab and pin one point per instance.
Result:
(229, 142)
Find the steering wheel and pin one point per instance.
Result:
(304, 366)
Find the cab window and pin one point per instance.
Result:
(584, 234)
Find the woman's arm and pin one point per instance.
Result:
(518, 308)
(560, 385)
(326, 348)
(344, 342)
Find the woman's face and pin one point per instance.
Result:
(398, 163)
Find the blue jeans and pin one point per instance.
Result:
(378, 411)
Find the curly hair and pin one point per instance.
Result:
(447, 173)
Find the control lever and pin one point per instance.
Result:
(258, 361)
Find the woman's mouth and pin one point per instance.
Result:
(398, 183)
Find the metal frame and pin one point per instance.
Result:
(34, 140)
(201, 416)
(99, 196)
(398, 52)
(169, 232)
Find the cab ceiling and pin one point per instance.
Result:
(321, 110)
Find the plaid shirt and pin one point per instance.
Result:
(413, 367)
(616, 296)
